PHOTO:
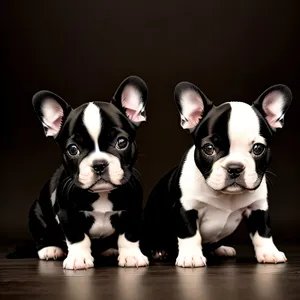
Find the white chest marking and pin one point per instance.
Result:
(219, 214)
(215, 224)
(101, 213)
(102, 204)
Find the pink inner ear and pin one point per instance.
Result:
(52, 116)
(134, 116)
(273, 107)
(54, 128)
(192, 108)
(193, 120)
(132, 103)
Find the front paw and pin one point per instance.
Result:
(79, 261)
(132, 258)
(271, 255)
(191, 260)
(79, 256)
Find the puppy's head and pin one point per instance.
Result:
(232, 141)
(97, 139)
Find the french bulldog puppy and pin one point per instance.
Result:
(219, 181)
(96, 194)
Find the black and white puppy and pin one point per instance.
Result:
(220, 180)
(96, 193)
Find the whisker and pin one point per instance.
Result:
(269, 182)
(270, 172)
(206, 173)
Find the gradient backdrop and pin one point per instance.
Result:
(82, 50)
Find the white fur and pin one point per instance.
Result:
(79, 255)
(102, 213)
(243, 126)
(266, 251)
(92, 121)
(51, 252)
(53, 197)
(115, 170)
(130, 254)
(219, 213)
(190, 252)
(102, 204)
(52, 116)
(102, 225)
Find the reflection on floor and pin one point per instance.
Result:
(240, 278)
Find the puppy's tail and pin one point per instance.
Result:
(27, 250)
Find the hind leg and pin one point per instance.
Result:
(225, 251)
(51, 252)
(47, 233)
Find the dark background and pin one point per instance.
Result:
(82, 50)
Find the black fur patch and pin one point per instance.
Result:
(259, 221)
(213, 129)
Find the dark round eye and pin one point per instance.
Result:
(258, 149)
(121, 143)
(73, 150)
(208, 149)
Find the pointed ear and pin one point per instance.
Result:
(131, 98)
(191, 103)
(51, 110)
(273, 104)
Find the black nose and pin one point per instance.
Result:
(234, 170)
(99, 166)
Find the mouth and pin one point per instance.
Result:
(101, 185)
(234, 187)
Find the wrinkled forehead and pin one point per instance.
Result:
(236, 123)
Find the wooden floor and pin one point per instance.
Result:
(240, 278)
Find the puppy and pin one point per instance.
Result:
(96, 194)
(220, 179)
